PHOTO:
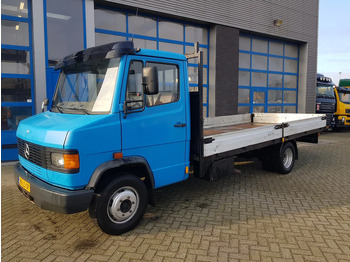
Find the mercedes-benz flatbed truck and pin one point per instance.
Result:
(123, 123)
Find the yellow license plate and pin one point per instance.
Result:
(24, 184)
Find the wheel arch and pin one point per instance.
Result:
(107, 171)
(135, 163)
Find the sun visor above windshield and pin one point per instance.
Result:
(342, 89)
(107, 51)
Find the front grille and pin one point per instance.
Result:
(327, 107)
(329, 119)
(32, 152)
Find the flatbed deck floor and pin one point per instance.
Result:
(231, 128)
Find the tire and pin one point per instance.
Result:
(285, 158)
(122, 204)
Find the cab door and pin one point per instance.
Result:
(155, 126)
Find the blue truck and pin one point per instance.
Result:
(123, 123)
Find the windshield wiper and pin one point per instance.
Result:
(59, 109)
(80, 109)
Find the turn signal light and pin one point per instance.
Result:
(71, 161)
(118, 155)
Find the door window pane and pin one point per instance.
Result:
(259, 79)
(276, 48)
(17, 8)
(290, 66)
(196, 34)
(16, 90)
(244, 43)
(244, 60)
(275, 80)
(65, 31)
(141, 25)
(110, 20)
(14, 33)
(291, 51)
(290, 81)
(243, 96)
(15, 61)
(171, 47)
(170, 30)
(275, 64)
(259, 45)
(101, 39)
(244, 78)
(168, 80)
(12, 115)
(259, 62)
(275, 96)
(290, 97)
(259, 97)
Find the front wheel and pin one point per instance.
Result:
(285, 158)
(122, 204)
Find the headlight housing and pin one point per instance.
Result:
(65, 161)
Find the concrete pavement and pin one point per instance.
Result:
(252, 216)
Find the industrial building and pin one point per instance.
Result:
(259, 55)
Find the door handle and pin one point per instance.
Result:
(180, 125)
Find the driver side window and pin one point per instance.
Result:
(134, 89)
(168, 79)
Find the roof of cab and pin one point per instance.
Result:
(112, 50)
(161, 54)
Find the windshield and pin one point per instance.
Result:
(344, 97)
(87, 87)
(324, 91)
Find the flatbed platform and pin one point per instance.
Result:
(239, 132)
(232, 128)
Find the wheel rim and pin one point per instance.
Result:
(123, 205)
(287, 158)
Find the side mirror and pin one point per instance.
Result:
(45, 103)
(150, 80)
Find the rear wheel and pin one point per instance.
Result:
(122, 204)
(285, 158)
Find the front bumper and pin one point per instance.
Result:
(52, 198)
(339, 123)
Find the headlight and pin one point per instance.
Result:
(66, 161)
(57, 160)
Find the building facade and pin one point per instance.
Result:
(259, 55)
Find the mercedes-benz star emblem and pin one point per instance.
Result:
(26, 151)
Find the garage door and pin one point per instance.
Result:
(268, 75)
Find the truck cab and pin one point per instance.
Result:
(116, 109)
(325, 99)
(342, 113)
